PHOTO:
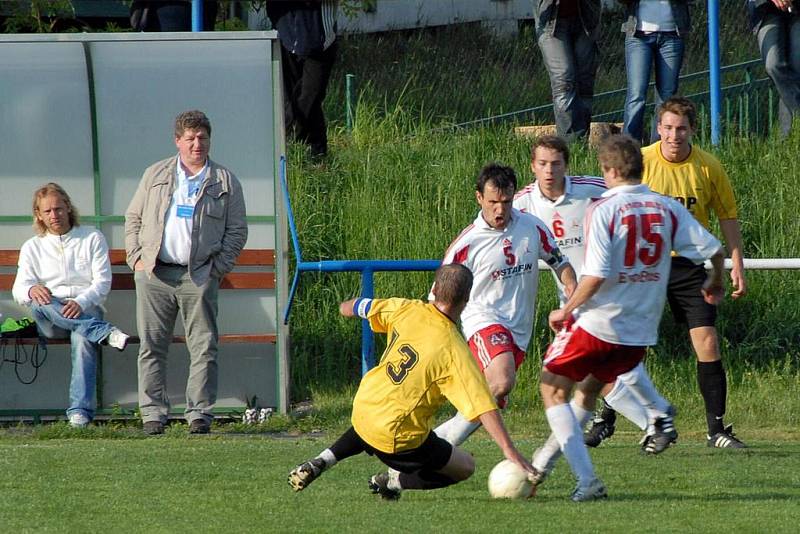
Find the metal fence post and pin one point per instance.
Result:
(349, 106)
(197, 15)
(367, 337)
(714, 85)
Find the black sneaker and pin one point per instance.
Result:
(153, 428)
(664, 435)
(304, 474)
(725, 440)
(380, 484)
(600, 430)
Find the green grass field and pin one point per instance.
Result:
(397, 188)
(237, 483)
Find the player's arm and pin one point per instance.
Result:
(733, 240)
(566, 274)
(358, 307)
(493, 423)
(714, 286)
(587, 287)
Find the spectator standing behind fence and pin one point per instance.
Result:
(184, 229)
(307, 32)
(169, 15)
(64, 275)
(654, 33)
(776, 24)
(567, 32)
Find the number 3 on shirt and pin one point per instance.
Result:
(398, 373)
(642, 225)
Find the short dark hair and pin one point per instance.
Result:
(53, 188)
(681, 106)
(552, 142)
(191, 120)
(452, 284)
(623, 153)
(503, 178)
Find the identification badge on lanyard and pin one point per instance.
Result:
(184, 211)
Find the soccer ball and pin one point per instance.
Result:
(508, 481)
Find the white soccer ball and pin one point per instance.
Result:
(508, 481)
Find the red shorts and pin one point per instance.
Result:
(492, 340)
(575, 353)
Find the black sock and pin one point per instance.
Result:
(714, 388)
(608, 414)
(425, 480)
(349, 444)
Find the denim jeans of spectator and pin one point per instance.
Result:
(570, 57)
(85, 332)
(664, 50)
(779, 43)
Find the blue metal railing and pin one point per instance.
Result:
(367, 268)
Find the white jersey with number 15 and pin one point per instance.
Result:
(629, 235)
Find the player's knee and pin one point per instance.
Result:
(502, 386)
(461, 465)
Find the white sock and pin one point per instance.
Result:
(642, 389)
(570, 436)
(456, 430)
(328, 457)
(547, 455)
(394, 480)
(623, 401)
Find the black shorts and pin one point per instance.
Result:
(685, 296)
(433, 454)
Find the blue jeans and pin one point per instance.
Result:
(641, 52)
(570, 57)
(779, 43)
(85, 333)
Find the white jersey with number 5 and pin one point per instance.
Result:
(505, 269)
(564, 215)
(629, 235)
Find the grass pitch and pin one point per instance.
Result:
(236, 483)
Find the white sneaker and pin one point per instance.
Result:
(78, 420)
(595, 490)
(117, 339)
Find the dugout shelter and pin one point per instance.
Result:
(91, 112)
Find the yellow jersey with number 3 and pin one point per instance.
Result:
(699, 182)
(425, 363)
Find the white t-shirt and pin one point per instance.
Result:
(564, 215)
(629, 235)
(176, 243)
(505, 269)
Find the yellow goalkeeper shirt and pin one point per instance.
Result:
(699, 182)
(425, 363)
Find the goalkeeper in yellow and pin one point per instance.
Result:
(425, 363)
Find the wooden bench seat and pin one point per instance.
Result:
(262, 261)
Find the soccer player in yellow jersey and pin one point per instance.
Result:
(675, 167)
(425, 363)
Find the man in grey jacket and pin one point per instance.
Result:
(567, 32)
(184, 229)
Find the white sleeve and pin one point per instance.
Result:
(26, 276)
(597, 259)
(457, 252)
(691, 240)
(98, 290)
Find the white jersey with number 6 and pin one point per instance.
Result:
(629, 235)
(564, 215)
(505, 269)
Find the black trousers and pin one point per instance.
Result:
(305, 83)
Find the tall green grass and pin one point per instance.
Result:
(397, 187)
